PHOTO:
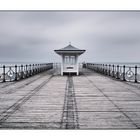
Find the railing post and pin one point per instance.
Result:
(33, 72)
(103, 69)
(136, 74)
(40, 67)
(3, 73)
(124, 73)
(21, 71)
(43, 67)
(117, 72)
(36, 68)
(15, 72)
(109, 69)
(26, 71)
(113, 71)
(106, 70)
(30, 70)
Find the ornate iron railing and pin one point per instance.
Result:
(122, 72)
(18, 72)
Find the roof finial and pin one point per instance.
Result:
(69, 43)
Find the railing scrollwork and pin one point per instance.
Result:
(18, 72)
(122, 72)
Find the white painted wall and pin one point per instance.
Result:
(67, 65)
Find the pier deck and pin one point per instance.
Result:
(51, 101)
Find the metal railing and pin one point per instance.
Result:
(122, 72)
(18, 72)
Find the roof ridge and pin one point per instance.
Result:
(69, 47)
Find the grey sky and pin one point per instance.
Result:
(106, 36)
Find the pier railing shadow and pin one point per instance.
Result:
(18, 72)
(122, 72)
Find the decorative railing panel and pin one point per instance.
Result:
(122, 72)
(18, 72)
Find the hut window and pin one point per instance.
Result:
(72, 60)
(66, 59)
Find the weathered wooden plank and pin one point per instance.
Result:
(101, 102)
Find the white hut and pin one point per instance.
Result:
(69, 56)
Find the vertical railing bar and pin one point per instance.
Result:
(124, 73)
(113, 71)
(136, 74)
(117, 72)
(4, 73)
(30, 69)
(21, 71)
(109, 69)
(15, 72)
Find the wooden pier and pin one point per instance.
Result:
(51, 101)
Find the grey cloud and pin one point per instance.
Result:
(32, 36)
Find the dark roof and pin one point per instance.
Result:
(69, 50)
(70, 47)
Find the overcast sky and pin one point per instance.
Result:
(106, 36)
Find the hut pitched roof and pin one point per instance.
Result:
(69, 50)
